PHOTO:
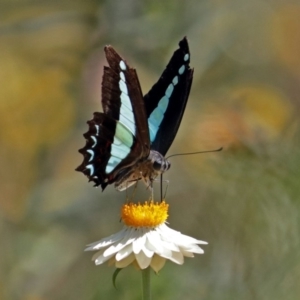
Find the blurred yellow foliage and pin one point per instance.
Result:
(39, 58)
(35, 111)
(265, 109)
(248, 116)
(35, 108)
(286, 36)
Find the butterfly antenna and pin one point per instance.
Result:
(198, 152)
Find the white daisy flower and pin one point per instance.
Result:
(145, 239)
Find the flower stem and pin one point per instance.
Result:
(146, 284)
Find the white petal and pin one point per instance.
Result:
(98, 253)
(184, 239)
(139, 242)
(100, 259)
(142, 260)
(173, 235)
(148, 253)
(153, 242)
(187, 254)
(127, 239)
(169, 245)
(113, 249)
(177, 258)
(157, 263)
(192, 248)
(125, 262)
(166, 241)
(202, 242)
(106, 241)
(126, 251)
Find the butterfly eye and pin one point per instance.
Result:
(157, 165)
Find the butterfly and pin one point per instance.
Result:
(129, 139)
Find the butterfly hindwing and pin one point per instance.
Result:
(108, 149)
(165, 102)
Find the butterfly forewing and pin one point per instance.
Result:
(165, 102)
(122, 97)
(118, 137)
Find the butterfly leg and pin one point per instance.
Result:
(134, 189)
(129, 184)
(164, 197)
(161, 187)
(161, 181)
(152, 190)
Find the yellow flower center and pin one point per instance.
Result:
(149, 214)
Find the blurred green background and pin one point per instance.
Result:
(245, 200)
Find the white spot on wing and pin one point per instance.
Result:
(91, 152)
(175, 80)
(91, 168)
(169, 90)
(123, 87)
(126, 115)
(181, 70)
(122, 76)
(122, 65)
(126, 111)
(95, 141)
(186, 57)
(126, 101)
(97, 129)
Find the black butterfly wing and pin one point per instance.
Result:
(117, 138)
(165, 102)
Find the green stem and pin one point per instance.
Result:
(146, 284)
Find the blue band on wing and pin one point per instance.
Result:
(157, 115)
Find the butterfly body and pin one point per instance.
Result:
(145, 169)
(128, 141)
